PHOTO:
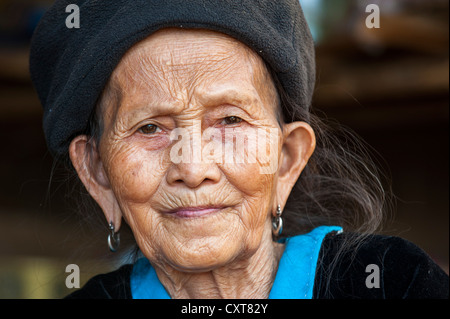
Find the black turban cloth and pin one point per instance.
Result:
(70, 66)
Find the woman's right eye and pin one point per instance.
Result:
(149, 129)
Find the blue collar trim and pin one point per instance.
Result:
(294, 279)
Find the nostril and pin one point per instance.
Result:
(193, 175)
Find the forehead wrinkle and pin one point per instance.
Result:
(180, 56)
(145, 85)
(190, 68)
(173, 75)
(141, 72)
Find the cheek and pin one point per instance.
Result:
(135, 172)
(257, 191)
(255, 214)
(251, 162)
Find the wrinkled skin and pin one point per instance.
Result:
(173, 79)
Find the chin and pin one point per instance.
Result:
(204, 255)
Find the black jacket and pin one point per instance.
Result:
(405, 271)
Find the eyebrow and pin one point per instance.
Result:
(232, 96)
(247, 101)
(154, 109)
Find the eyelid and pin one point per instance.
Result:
(164, 123)
(236, 110)
(235, 116)
(158, 129)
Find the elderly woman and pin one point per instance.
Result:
(190, 121)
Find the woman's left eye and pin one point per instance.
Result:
(149, 129)
(232, 120)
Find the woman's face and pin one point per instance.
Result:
(174, 109)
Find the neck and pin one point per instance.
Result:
(248, 278)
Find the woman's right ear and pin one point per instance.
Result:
(87, 162)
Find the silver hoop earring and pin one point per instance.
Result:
(113, 238)
(277, 223)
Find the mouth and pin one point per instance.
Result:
(194, 212)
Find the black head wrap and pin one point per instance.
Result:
(70, 66)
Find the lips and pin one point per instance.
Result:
(194, 212)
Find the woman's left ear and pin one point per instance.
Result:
(298, 144)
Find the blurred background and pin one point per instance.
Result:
(390, 85)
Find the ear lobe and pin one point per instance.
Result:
(87, 162)
(299, 142)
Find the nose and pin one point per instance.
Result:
(193, 174)
(191, 167)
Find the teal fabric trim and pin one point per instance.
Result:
(144, 282)
(297, 267)
(294, 279)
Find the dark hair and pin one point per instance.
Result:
(341, 184)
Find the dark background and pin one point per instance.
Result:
(390, 85)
